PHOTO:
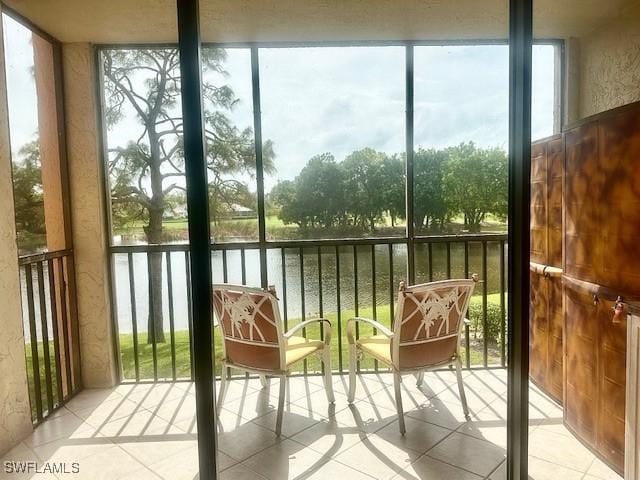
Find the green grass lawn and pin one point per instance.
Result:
(42, 375)
(339, 347)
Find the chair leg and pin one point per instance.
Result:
(396, 386)
(352, 373)
(264, 381)
(281, 398)
(328, 381)
(223, 389)
(419, 379)
(463, 397)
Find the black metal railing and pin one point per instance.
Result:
(335, 279)
(51, 330)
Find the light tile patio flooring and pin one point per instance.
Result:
(147, 431)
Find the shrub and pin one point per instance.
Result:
(494, 320)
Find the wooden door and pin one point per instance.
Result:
(601, 262)
(545, 327)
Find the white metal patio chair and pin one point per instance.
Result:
(426, 334)
(254, 340)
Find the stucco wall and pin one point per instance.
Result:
(15, 412)
(88, 216)
(610, 64)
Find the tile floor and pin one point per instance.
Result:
(148, 431)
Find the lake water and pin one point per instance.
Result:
(303, 281)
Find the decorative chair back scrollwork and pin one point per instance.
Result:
(250, 323)
(427, 323)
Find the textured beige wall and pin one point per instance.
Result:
(610, 64)
(571, 80)
(88, 221)
(15, 412)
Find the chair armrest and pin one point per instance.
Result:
(351, 325)
(466, 321)
(306, 323)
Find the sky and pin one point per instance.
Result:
(337, 100)
(21, 87)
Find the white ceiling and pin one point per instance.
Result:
(132, 21)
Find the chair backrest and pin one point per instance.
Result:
(428, 322)
(250, 322)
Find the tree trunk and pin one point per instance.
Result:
(154, 236)
(155, 320)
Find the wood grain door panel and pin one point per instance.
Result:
(539, 220)
(612, 384)
(555, 352)
(619, 199)
(581, 220)
(538, 331)
(555, 169)
(581, 334)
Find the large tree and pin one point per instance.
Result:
(475, 183)
(316, 197)
(148, 170)
(393, 187)
(364, 184)
(431, 208)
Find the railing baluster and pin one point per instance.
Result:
(467, 340)
(374, 310)
(189, 310)
(225, 279)
(302, 304)
(35, 363)
(134, 315)
(485, 326)
(54, 325)
(430, 253)
(338, 312)
(302, 248)
(284, 289)
(503, 327)
(65, 326)
(320, 306)
(225, 272)
(45, 337)
(355, 293)
(243, 266)
(243, 269)
(172, 331)
(152, 320)
(391, 288)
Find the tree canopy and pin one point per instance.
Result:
(28, 191)
(368, 186)
(146, 171)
